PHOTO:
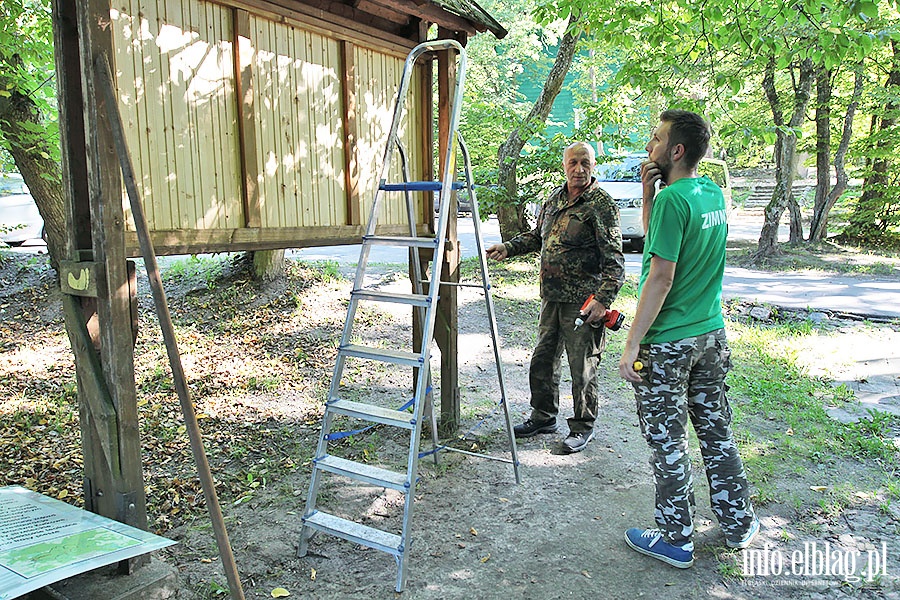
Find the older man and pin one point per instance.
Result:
(580, 242)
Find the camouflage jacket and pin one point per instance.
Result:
(581, 246)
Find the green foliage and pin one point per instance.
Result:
(875, 216)
(27, 68)
(493, 106)
(196, 269)
(710, 57)
(540, 168)
(773, 385)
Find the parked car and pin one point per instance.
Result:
(621, 178)
(717, 170)
(20, 220)
(463, 202)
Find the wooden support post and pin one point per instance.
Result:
(446, 327)
(101, 328)
(243, 79)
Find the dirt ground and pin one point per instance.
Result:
(476, 533)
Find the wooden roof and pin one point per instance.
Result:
(404, 17)
(470, 10)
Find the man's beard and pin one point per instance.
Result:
(665, 167)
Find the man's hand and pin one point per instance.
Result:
(650, 174)
(593, 312)
(626, 364)
(497, 252)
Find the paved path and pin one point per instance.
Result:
(857, 294)
(861, 295)
(866, 296)
(874, 374)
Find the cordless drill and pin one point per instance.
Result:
(613, 319)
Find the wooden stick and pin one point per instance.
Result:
(101, 66)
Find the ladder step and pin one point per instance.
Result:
(363, 472)
(355, 532)
(397, 357)
(370, 412)
(411, 299)
(410, 242)
(418, 186)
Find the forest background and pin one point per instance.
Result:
(778, 80)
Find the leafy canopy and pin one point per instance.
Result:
(27, 69)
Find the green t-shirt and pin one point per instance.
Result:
(688, 226)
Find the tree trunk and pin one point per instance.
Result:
(823, 140)
(796, 226)
(511, 213)
(818, 228)
(785, 152)
(871, 202)
(268, 265)
(32, 155)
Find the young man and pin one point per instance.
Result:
(580, 242)
(676, 355)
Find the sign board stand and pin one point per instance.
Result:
(43, 541)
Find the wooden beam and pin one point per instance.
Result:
(431, 13)
(103, 419)
(178, 241)
(71, 126)
(98, 464)
(246, 118)
(351, 26)
(446, 328)
(349, 125)
(379, 10)
(119, 497)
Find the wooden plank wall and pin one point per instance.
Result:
(378, 77)
(175, 75)
(299, 134)
(175, 70)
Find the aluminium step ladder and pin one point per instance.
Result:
(423, 300)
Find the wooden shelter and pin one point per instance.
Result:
(251, 125)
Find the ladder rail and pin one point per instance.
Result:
(421, 311)
(428, 323)
(400, 108)
(489, 305)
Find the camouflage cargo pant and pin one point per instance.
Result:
(556, 332)
(681, 379)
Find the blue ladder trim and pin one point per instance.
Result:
(462, 436)
(418, 186)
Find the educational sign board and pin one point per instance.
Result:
(43, 540)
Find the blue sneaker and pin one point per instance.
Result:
(748, 537)
(651, 543)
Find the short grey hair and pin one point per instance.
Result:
(584, 145)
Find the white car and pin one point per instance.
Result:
(621, 178)
(20, 220)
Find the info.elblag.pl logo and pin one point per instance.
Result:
(818, 559)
